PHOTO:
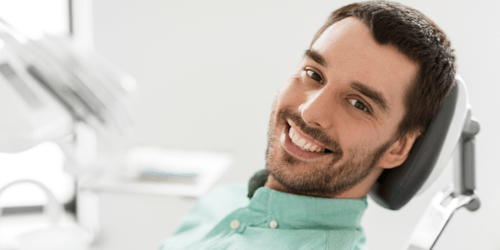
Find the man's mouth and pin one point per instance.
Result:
(301, 145)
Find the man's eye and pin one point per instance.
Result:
(315, 76)
(359, 105)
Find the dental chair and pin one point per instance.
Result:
(450, 136)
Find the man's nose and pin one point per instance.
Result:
(319, 109)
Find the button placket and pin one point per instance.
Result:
(270, 213)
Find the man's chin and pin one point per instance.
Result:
(294, 174)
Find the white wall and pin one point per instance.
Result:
(208, 72)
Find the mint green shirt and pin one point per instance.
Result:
(227, 219)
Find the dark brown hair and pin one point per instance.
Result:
(416, 36)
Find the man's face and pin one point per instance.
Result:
(338, 114)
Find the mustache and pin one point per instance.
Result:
(315, 133)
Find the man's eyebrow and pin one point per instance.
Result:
(371, 93)
(316, 56)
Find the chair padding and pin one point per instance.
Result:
(395, 187)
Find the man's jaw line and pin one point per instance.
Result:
(273, 183)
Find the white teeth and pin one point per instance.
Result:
(303, 143)
(292, 132)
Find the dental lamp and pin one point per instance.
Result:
(52, 91)
(450, 136)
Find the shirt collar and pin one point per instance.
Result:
(302, 212)
(298, 211)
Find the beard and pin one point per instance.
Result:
(330, 178)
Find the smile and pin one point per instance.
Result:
(300, 145)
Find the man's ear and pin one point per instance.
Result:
(398, 151)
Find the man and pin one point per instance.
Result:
(368, 86)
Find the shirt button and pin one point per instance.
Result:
(273, 224)
(234, 224)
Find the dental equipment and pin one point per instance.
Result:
(52, 87)
(53, 91)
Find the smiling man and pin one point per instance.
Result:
(335, 122)
(368, 86)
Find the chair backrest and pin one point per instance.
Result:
(429, 155)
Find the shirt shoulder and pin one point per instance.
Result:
(208, 212)
(218, 203)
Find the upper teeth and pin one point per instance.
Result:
(304, 143)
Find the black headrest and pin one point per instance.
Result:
(395, 187)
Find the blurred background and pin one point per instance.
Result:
(207, 73)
